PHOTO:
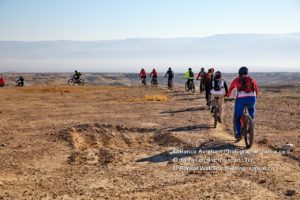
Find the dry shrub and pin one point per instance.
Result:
(151, 98)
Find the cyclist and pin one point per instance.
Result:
(189, 75)
(208, 85)
(201, 76)
(170, 75)
(247, 91)
(154, 75)
(77, 76)
(218, 91)
(143, 75)
(2, 81)
(20, 81)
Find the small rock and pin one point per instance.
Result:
(264, 141)
(290, 192)
(287, 147)
(262, 181)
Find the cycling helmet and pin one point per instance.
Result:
(243, 71)
(169, 68)
(218, 74)
(190, 69)
(212, 69)
(202, 69)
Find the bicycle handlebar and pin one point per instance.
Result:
(229, 99)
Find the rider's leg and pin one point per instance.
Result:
(220, 105)
(213, 102)
(238, 112)
(251, 106)
(207, 95)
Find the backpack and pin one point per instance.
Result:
(247, 84)
(191, 74)
(208, 76)
(171, 74)
(217, 84)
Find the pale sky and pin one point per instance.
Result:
(32, 20)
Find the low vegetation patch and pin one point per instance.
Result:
(151, 98)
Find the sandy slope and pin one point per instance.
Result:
(116, 143)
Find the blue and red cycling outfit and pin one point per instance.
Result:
(242, 99)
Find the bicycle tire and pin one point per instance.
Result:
(71, 82)
(216, 112)
(193, 88)
(152, 83)
(170, 85)
(234, 129)
(186, 87)
(144, 83)
(80, 82)
(209, 101)
(248, 131)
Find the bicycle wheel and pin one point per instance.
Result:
(248, 131)
(209, 101)
(152, 83)
(192, 87)
(234, 129)
(216, 113)
(71, 82)
(170, 85)
(186, 87)
(80, 82)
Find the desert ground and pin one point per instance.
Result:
(131, 142)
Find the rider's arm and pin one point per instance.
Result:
(226, 88)
(255, 87)
(232, 86)
(198, 76)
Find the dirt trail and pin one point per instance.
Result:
(130, 143)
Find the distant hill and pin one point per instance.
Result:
(130, 79)
(261, 52)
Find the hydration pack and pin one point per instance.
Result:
(217, 84)
(191, 74)
(247, 84)
(171, 74)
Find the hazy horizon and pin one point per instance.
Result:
(123, 36)
(226, 52)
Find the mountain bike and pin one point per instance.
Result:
(144, 82)
(154, 83)
(201, 86)
(19, 84)
(190, 86)
(74, 81)
(170, 84)
(247, 126)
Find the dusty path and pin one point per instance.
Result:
(116, 143)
